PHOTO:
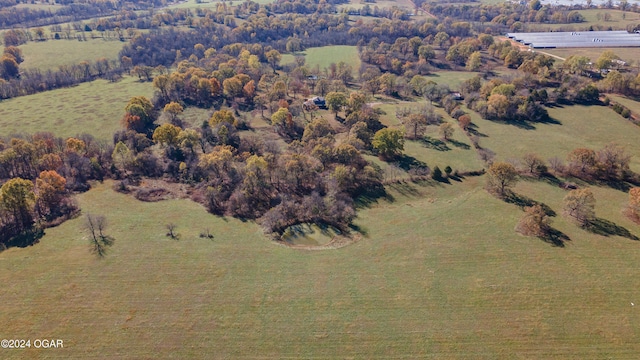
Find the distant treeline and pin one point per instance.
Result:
(10, 16)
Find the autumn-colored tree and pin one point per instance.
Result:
(633, 208)
(173, 109)
(249, 91)
(464, 121)
(580, 205)
(14, 52)
(281, 118)
(166, 135)
(216, 88)
(218, 160)
(76, 145)
(8, 67)
(139, 114)
(446, 130)
(501, 176)
(582, 161)
(222, 116)
(50, 162)
(17, 197)
(232, 88)
(49, 190)
(389, 143)
(534, 222)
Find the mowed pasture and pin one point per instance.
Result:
(618, 20)
(571, 127)
(628, 54)
(438, 273)
(49, 55)
(633, 105)
(323, 56)
(94, 108)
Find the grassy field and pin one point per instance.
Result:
(324, 56)
(94, 108)
(594, 17)
(382, 4)
(633, 105)
(426, 281)
(576, 126)
(50, 54)
(458, 153)
(451, 78)
(628, 54)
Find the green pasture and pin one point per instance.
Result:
(438, 273)
(619, 20)
(453, 79)
(324, 56)
(632, 105)
(95, 108)
(49, 55)
(571, 127)
(431, 149)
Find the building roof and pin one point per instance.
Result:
(577, 39)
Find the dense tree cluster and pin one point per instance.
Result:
(39, 173)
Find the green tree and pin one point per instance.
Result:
(122, 156)
(281, 117)
(335, 101)
(606, 60)
(388, 142)
(474, 62)
(318, 128)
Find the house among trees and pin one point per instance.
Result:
(317, 101)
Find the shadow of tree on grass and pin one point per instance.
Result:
(605, 227)
(459, 144)
(26, 238)
(523, 201)
(555, 237)
(435, 144)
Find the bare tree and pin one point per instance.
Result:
(171, 228)
(96, 225)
